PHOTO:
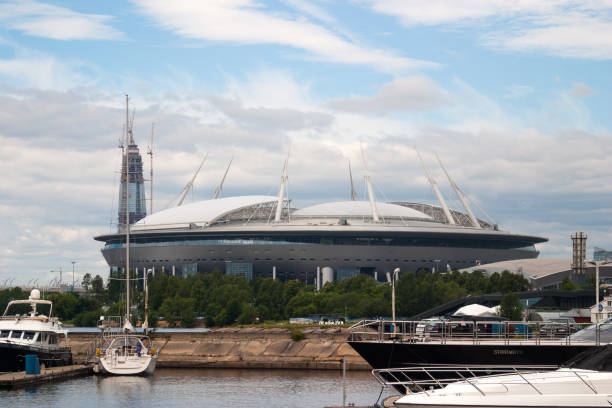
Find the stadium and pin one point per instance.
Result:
(263, 236)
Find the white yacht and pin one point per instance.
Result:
(32, 333)
(565, 387)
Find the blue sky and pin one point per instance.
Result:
(513, 95)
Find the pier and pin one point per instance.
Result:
(21, 379)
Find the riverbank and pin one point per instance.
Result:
(321, 349)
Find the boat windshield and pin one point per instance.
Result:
(589, 334)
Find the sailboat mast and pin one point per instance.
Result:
(150, 153)
(128, 130)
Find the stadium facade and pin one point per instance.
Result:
(264, 236)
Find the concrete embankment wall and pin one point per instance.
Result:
(322, 348)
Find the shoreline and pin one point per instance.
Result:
(321, 349)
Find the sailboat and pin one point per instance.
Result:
(121, 351)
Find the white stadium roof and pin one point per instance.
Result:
(202, 212)
(351, 209)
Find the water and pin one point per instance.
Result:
(203, 388)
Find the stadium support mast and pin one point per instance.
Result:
(281, 191)
(220, 186)
(371, 196)
(190, 183)
(434, 185)
(353, 192)
(473, 219)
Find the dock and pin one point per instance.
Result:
(21, 379)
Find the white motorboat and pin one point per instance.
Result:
(32, 333)
(565, 387)
(585, 382)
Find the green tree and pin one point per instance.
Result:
(86, 282)
(178, 309)
(97, 286)
(511, 307)
(568, 284)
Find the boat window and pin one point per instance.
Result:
(29, 335)
(52, 339)
(16, 334)
(4, 334)
(43, 337)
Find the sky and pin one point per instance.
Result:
(513, 95)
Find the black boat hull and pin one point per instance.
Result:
(381, 355)
(12, 356)
(397, 355)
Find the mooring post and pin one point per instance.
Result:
(343, 381)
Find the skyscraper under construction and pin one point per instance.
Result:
(135, 185)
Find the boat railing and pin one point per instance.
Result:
(476, 331)
(427, 378)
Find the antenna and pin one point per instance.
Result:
(220, 186)
(369, 187)
(150, 153)
(353, 192)
(473, 219)
(190, 183)
(434, 185)
(282, 189)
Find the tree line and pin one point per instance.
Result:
(220, 300)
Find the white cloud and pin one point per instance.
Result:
(518, 91)
(59, 23)
(312, 10)
(580, 90)
(565, 28)
(401, 94)
(248, 22)
(46, 72)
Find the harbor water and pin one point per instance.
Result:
(169, 388)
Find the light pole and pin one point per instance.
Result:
(73, 262)
(597, 265)
(396, 272)
(145, 324)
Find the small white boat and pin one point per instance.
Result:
(125, 353)
(565, 387)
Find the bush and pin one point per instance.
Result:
(297, 335)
